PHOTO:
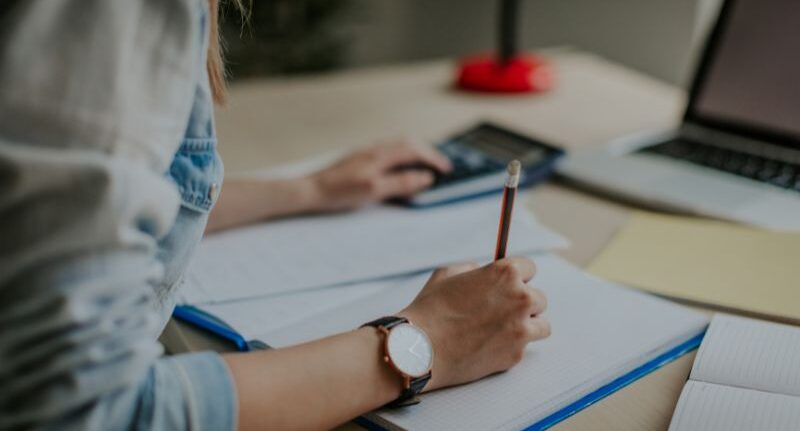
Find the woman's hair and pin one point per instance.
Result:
(215, 64)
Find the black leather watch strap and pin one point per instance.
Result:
(387, 322)
(409, 396)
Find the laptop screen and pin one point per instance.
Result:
(749, 78)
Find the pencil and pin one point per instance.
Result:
(507, 208)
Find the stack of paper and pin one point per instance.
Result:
(333, 250)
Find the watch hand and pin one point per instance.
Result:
(414, 352)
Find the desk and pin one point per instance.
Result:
(268, 122)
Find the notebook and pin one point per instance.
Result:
(604, 336)
(746, 376)
(315, 251)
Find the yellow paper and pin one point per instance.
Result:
(707, 261)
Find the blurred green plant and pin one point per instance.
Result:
(284, 37)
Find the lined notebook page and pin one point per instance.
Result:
(315, 251)
(750, 353)
(711, 407)
(600, 331)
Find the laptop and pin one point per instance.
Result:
(736, 155)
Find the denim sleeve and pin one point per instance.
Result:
(94, 100)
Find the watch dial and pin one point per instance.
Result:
(410, 350)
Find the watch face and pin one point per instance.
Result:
(410, 350)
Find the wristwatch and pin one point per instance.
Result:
(408, 350)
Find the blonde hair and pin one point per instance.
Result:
(215, 64)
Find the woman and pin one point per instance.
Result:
(108, 170)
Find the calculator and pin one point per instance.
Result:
(479, 157)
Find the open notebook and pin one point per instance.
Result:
(746, 377)
(604, 336)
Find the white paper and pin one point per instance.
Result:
(750, 353)
(380, 298)
(600, 331)
(711, 407)
(380, 241)
(253, 317)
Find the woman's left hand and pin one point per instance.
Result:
(375, 174)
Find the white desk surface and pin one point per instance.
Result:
(273, 121)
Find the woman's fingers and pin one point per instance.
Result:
(538, 301)
(521, 268)
(402, 184)
(404, 154)
(538, 328)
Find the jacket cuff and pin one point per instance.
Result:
(208, 389)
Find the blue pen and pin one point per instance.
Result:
(213, 325)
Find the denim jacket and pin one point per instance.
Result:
(108, 168)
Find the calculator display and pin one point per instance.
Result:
(502, 146)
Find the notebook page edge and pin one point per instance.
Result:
(721, 410)
(708, 363)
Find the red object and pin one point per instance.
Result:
(520, 74)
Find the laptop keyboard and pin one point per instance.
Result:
(766, 170)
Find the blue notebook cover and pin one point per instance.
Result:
(211, 324)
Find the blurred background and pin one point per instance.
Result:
(284, 37)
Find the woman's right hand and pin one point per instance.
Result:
(479, 319)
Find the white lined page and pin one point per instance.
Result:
(600, 331)
(750, 353)
(712, 407)
(316, 251)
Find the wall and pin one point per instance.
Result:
(655, 36)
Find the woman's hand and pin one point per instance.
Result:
(375, 174)
(479, 319)
(370, 175)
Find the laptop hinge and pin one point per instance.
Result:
(711, 136)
